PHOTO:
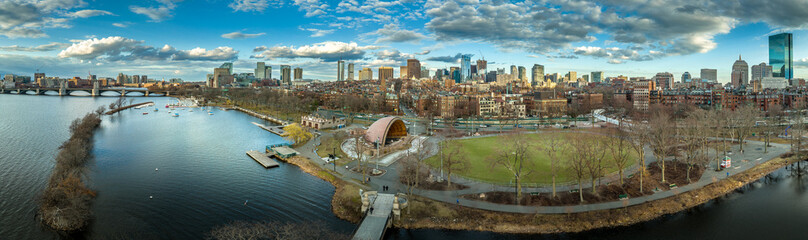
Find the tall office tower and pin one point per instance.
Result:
(414, 69)
(781, 55)
(340, 70)
(298, 73)
(760, 71)
(424, 72)
(500, 71)
(572, 76)
(286, 74)
(220, 76)
(597, 76)
(473, 69)
(686, 77)
(385, 73)
(556, 77)
(522, 74)
(482, 66)
(465, 67)
(260, 70)
(740, 73)
(268, 72)
(121, 79)
(402, 72)
(709, 75)
(136, 78)
(439, 74)
(457, 76)
(537, 74)
(451, 73)
(514, 71)
(491, 76)
(664, 80)
(366, 74)
(229, 67)
(350, 71)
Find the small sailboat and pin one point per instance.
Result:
(145, 113)
(175, 115)
(155, 109)
(210, 113)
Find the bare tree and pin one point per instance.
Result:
(454, 159)
(692, 140)
(594, 152)
(360, 148)
(554, 146)
(407, 172)
(578, 163)
(514, 157)
(661, 138)
(618, 152)
(744, 121)
(639, 135)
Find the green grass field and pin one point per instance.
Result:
(478, 151)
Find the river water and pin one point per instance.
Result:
(204, 179)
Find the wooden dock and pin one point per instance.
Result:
(277, 130)
(262, 116)
(263, 159)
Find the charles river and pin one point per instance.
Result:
(204, 178)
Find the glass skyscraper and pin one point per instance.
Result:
(781, 56)
(465, 67)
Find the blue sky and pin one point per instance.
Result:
(186, 39)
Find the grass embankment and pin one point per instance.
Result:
(346, 203)
(479, 150)
(427, 213)
(65, 203)
(330, 144)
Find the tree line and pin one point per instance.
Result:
(65, 203)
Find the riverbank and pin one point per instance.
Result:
(425, 213)
(345, 203)
(430, 214)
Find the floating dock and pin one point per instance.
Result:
(263, 159)
(277, 130)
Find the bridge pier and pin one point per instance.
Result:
(147, 93)
(62, 87)
(123, 92)
(37, 91)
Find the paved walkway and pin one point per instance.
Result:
(752, 156)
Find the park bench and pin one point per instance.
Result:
(673, 186)
(622, 196)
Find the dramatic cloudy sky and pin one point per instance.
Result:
(175, 38)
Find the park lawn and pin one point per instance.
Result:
(478, 151)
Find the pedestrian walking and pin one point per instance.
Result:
(458, 201)
(371, 210)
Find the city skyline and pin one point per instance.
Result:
(163, 38)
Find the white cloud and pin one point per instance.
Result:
(41, 48)
(27, 19)
(318, 32)
(253, 5)
(159, 13)
(88, 13)
(311, 7)
(240, 35)
(121, 25)
(327, 51)
(124, 49)
(392, 33)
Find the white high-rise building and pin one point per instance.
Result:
(350, 71)
(709, 75)
(340, 70)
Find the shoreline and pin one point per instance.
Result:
(345, 204)
(454, 217)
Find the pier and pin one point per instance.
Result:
(263, 159)
(277, 130)
(262, 116)
(375, 224)
(113, 111)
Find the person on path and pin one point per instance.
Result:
(458, 201)
(371, 210)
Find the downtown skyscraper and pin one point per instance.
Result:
(781, 55)
(465, 67)
(340, 70)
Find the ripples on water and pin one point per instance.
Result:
(204, 178)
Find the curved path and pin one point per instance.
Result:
(753, 155)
